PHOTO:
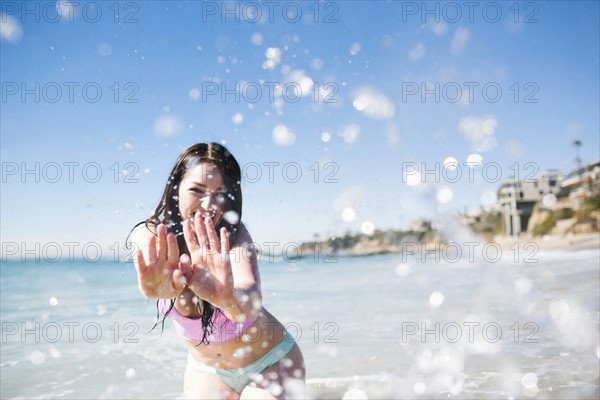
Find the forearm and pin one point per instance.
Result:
(242, 304)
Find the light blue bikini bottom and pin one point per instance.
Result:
(238, 378)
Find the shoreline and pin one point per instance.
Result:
(325, 251)
(573, 242)
(570, 241)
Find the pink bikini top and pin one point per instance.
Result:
(224, 329)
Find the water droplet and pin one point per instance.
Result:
(130, 373)
(37, 358)
(529, 380)
(348, 214)
(450, 163)
(273, 58)
(275, 389)
(436, 299)
(355, 394)
(444, 195)
(231, 217)
(194, 94)
(53, 301)
(473, 160)
(54, 352)
(403, 270)
(373, 103)
(237, 118)
(355, 48)
(559, 310)
(257, 39)
(167, 126)
(522, 286)
(419, 388)
(282, 136)
(367, 228)
(488, 198)
(417, 52)
(414, 178)
(350, 133)
(549, 200)
(104, 49)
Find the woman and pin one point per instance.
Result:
(197, 258)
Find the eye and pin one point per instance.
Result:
(196, 190)
(220, 197)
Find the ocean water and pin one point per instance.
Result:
(369, 327)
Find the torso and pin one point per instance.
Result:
(260, 337)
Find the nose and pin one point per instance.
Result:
(207, 202)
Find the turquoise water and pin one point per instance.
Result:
(369, 327)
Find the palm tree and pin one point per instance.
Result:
(577, 143)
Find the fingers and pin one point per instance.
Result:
(140, 265)
(190, 237)
(161, 231)
(203, 237)
(224, 242)
(179, 280)
(172, 249)
(199, 223)
(212, 235)
(152, 257)
(185, 266)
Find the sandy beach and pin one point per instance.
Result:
(568, 241)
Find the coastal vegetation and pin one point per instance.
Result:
(560, 220)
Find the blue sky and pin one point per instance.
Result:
(353, 110)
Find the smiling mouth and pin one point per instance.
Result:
(204, 214)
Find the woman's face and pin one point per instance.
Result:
(202, 189)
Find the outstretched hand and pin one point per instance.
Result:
(158, 270)
(208, 273)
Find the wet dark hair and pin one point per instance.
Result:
(167, 211)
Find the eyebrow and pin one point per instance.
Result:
(204, 185)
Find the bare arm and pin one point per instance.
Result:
(227, 278)
(247, 298)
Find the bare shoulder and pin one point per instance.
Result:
(142, 232)
(243, 236)
(244, 245)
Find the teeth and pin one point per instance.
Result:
(203, 214)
